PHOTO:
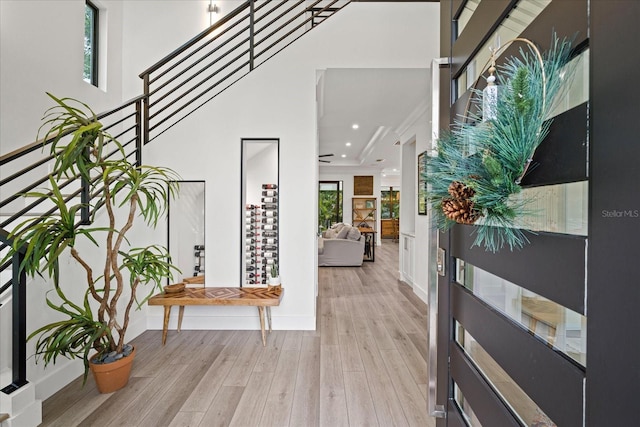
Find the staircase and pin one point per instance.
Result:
(175, 87)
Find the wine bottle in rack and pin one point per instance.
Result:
(273, 248)
(269, 186)
(269, 241)
(271, 214)
(269, 206)
(269, 227)
(269, 193)
(269, 234)
(269, 199)
(269, 254)
(268, 220)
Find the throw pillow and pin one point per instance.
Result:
(330, 234)
(354, 234)
(343, 232)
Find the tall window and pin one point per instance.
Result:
(90, 72)
(329, 203)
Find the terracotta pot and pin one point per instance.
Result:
(112, 376)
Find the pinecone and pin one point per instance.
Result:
(460, 191)
(460, 207)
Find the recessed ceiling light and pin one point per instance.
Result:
(355, 126)
(379, 160)
(395, 170)
(384, 174)
(343, 156)
(348, 144)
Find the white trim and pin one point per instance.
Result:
(209, 322)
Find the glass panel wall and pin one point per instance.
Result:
(559, 327)
(520, 403)
(465, 408)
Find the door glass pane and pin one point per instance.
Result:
(516, 22)
(520, 403)
(465, 408)
(560, 208)
(559, 327)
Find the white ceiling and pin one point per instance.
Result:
(383, 102)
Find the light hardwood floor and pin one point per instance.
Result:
(365, 365)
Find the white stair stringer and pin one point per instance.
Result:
(23, 408)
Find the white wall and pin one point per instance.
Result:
(420, 133)
(41, 50)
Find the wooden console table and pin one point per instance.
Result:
(263, 298)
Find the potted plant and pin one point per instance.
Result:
(124, 192)
(274, 277)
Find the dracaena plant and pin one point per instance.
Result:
(83, 150)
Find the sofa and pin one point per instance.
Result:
(340, 246)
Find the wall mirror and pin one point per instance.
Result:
(259, 210)
(186, 231)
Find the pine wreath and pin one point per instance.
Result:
(479, 165)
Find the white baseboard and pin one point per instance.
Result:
(422, 294)
(154, 322)
(57, 376)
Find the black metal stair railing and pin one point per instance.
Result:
(209, 63)
(174, 88)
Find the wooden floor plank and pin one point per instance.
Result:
(306, 400)
(251, 405)
(247, 358)
(116, 402)
(360, 405)
(223, 407)
(187, 419)
(169, 404)
(411, 399)
(277, 410)
(333, 401)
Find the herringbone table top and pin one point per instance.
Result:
(220, 296)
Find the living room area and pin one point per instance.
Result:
(374, 129)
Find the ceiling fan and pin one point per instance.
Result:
(324, 155)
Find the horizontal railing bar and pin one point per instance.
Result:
(198, 107)
(290, 21)
(207, 43)
(209, 77)
(6, 285)
(268, 24)
(198, 73)
(38, 201)
(123, 119)
(127, 130)
(270, 11)
(257, 55)
(25, 170)
(6, 158)
(6, 265)
(195, 40)
(246, 63)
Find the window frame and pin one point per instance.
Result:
(93, 78)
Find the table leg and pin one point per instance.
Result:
(269, 317)
(261, 315)
(165, 325)
(180, 314)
